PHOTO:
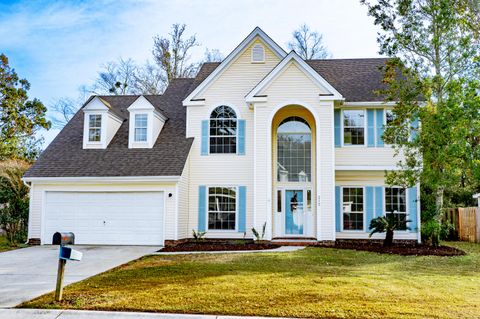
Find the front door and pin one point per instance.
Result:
(294, 212)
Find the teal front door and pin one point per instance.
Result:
(294, 212)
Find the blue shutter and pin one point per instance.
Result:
(371, 128)
(379, 125)
(337, 126)
(370, 206)
(242, 208)
(412, 209)
(202, 208)
(241, 137)
(413, 131)
(338, 210)
(378, 201)
(204, 146)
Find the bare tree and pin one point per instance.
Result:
(308, 44)
(149, 79)
(213, 55)
(65, 108)
(116, 78)
(172, 54)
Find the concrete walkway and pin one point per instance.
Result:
(82, 314)
(281, 249)
(30, 272)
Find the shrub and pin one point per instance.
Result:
(14, 201)
(433, 231)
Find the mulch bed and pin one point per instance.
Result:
(402, 249)
(207, 245)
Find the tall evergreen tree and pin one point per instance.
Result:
(20, 117)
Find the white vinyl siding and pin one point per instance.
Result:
(183, 202)
(293, 86)
(230, 88)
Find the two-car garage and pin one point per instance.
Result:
(105, 217)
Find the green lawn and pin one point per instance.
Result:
(315, 282)
(4, 246)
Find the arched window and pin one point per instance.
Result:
(223, 130)
(294, 150)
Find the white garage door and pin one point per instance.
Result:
(105, 218)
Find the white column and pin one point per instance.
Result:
(325, 172)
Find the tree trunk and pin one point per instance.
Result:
(388, 238)
(439, 200)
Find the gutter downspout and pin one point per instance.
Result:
(29, 186)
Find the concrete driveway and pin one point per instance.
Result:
(30, 272)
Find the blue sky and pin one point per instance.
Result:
(60, 45)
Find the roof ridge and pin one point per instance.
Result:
(348, 59)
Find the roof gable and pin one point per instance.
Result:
(97, 104)
(257, 33)
(327, 91)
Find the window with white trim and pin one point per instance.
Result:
(353, 208)
(94, 127)
(258, 53)
(294, 150)
(141, 124)
(222, 208)
(396, 204)
(389, 119)
(223, 131)
(353, 127)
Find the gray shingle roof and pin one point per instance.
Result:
(65, 156)
(355, 79)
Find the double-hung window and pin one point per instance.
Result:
(222, 208)
(94, 127)
(353, 208)
(141, 122)
(353, 127)
(396, 204)
(223, 131)
(389, 120)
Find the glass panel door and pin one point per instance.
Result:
(294, 214)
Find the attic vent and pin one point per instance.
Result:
(258, 53)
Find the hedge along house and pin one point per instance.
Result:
(264, 137)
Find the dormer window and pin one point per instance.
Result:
(94, 127)
(141, 124)
(258, 53)
(146, 123)
(101, 123)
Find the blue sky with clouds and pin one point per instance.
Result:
(60, 45)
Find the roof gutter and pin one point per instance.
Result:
(102, 179)
(366, 103)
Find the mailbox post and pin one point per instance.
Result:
(65, 253)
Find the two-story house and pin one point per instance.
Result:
(262, 137)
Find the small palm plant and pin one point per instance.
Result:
(259, 237)
(387, 224)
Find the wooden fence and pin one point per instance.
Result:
(466, 222)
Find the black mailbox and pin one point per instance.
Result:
(63, 239)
